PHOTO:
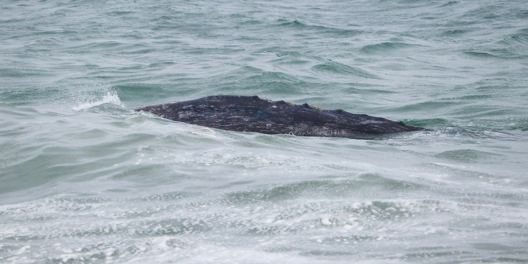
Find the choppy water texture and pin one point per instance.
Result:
(85, 179)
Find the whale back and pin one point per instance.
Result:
(253, 114)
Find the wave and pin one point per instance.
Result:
(322, 29)
(339, 68)
(386, 47)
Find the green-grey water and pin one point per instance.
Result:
(84, 179)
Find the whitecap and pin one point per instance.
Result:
(108, 98)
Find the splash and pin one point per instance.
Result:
(108, 98)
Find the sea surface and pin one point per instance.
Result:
(84, 179)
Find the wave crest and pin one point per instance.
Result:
(109, 98)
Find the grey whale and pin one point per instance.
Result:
(253, 114)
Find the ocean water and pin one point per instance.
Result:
(84, 179)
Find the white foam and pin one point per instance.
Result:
(326, 221)
(108, 98)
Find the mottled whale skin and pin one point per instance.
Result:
(252, 114)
